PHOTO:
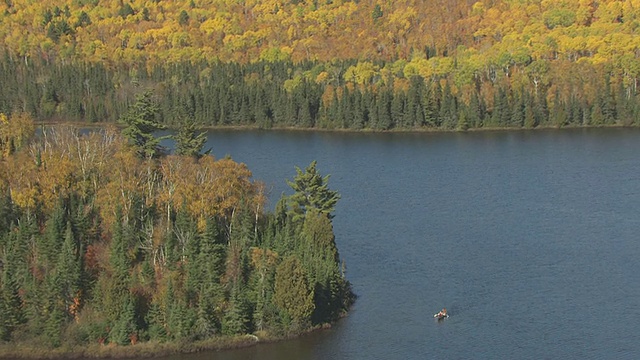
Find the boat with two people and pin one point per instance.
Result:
(442, 314)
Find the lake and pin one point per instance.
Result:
(530, 239)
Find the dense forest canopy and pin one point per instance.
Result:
(378, 65)
(159, 31)
(103, 242)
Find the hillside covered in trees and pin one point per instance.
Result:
(380, 65)
(104, 242)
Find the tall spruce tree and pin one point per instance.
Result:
(6, 210)
(292, 294)
(312, 192)
(68, 273)
(11, 314)
(141, 122)
(190, 139)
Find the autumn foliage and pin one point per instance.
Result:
(394, 65)
(99, 245)
(478, 33)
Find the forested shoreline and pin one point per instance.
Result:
(353, 65)
(107, 240)
(285, 95)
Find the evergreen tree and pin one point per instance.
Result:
(475, 112)
(385, 121)
(373, 118)
(305, 119)
(155, 323)
(49, 244)
(68, 273)
(320, 258)
(11, 313)
(345, 110)
(141, 123)
(190, 139)
(237, 319)
(312, 192)
(115, 284)
(397, 109)
(517, 114)
(463, 122)
(608, 104)
(623, 107)
(596, 116)
(500, 116)
(292, 294)
(376, 13)
(359, 111)
(448, 109)
(125, 328)
(206, 323)
(183, 18)
(54, 324)
(559, 116)
(541, 110)
(6, 210)
(414, 116)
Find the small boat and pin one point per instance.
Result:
(441, 315)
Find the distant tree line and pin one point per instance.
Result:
(336, 95)
(104, 240)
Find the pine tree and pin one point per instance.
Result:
(397, 109)
(292, 294)
(49, 244)
(475, 113)
(500, 116)
(385, 121)
(373, 117)
(359, 111)
(11, 312)
(189, 139)
(414, 116)
(207, 324)
(463, 123)
(54, 324)
(304, 114)
(237, 319)
(125, 328)
(431, 97)
(6, 210)
(141, 122)
(376, 13)
(320, 259)
(448, 113)
(114, 285)
(183, 18)
(517, 114)
(312, 192)
(608, 104)
(68, 272)
(156, 323)
(529, 112)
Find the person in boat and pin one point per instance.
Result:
(442, 313)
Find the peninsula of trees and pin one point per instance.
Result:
(326, 64)
(107, 240)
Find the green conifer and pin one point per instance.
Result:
(312, 192)
(141, 122)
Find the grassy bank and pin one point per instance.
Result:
(140, 350)
(149, 349)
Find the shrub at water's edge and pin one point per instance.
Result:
(108, 243)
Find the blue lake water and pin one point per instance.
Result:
(530, 239)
